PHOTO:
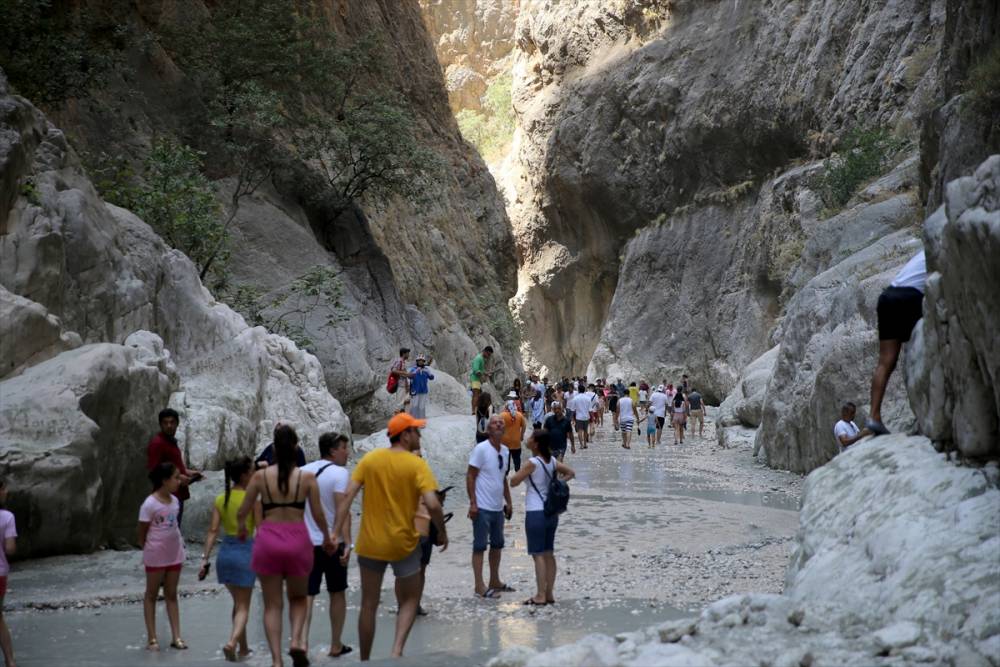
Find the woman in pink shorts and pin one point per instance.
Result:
(282, 550)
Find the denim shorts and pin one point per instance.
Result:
(487, 526)
(232, 565)
(541, 531)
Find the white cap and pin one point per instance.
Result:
(659, 388)
(512, 394)
(555, 404)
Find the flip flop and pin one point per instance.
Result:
(507, 588)
(179, 644)
(299, 657)
(876, 427)
(230, 653)
(344, 650)
(531, 603)
(490, 594)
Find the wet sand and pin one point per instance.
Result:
(649, 535)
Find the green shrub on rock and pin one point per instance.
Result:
(863, 155)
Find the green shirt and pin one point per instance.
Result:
(478, 366)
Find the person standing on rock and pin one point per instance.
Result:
(658, 407)
(489, 503)
(540, 528)
(900, 307)
(626, 417)
(8, 545)
(393, 479)
(282, 551)
(697, 412)
(559, 427)
(162, 448)
(233, 563)
(514, 427)
(846, 431)
(333, 479)
(420, 377)
(162, 551)
(399, 371)
(478, 375)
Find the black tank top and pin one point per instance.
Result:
(271, 505)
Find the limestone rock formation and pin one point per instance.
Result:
(745, 403)
(76, 270)
(916, 536)
(443, 442)
(826, 357)
(953, 367)
(74, 430)
(677, 113)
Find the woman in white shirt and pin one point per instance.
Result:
(540, 529)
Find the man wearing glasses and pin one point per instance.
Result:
(489, 503)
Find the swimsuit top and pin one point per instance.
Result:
(297, 504)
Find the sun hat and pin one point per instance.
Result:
(402, 421)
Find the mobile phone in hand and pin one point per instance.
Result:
(202, 574)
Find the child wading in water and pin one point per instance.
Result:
(162, 551)
(8, 544)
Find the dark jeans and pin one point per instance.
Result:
(515, 460)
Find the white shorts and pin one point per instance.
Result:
(418, 406)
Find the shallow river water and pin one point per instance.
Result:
(650, 535)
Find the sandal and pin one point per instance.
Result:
(178, 644)
(153, 645)
(489, 593)
(229, 652)
(299, 657)
(507, 588)
(531, 603)
(344, 650)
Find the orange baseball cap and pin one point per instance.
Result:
(403, 421)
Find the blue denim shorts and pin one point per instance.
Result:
(541, 531)
(232, 565)
(487, 526)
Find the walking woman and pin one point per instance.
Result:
(162, 551)
(8, 545)
(232, 566)
(679, 414)
(282, 550)
(539, 528)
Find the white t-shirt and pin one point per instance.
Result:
(642, 395)
(543, 472)
(489, 481)
(568, 396)
(333, 480)
(625, 407)
(842, 427)
(658, 404)
(913, 274)
(581, 406)
(539, 387)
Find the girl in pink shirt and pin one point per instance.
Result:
(162, 551)
(8, 543)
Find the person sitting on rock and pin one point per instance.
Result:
(846, 431)
(899, 308)
(162, 448)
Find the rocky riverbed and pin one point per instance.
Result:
(650, 535)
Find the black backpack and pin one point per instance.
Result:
(558, 497)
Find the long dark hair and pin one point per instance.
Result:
(543, 440)
(484, 403)
(678, 398)
(235, 469)
(161, 474)
(285, 440)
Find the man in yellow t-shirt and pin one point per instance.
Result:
(514, 425)
(394, 481)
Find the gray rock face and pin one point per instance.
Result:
(75, 270)
(625, 116)
(745, 404)
(954, 368)
(916, 537)
(828, 350)
(74, 430)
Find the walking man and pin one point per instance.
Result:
(560, 427)
(581, 412)
(489, 504)
(333, 480)
(514, 426)
(420, 377)
(162, 448)
(697, 412)
(478, 375)
(626, 416)
(658, 406)
(394, 480)
(899, 308)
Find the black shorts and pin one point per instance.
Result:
(336, 574)
(660, 421)
(899, 309)
(426, 548)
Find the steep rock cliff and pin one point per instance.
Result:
(627, 116)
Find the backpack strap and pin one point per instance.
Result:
(533, 481)
(320, 471)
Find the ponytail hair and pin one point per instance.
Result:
(235, 469)
(285, 440)
(543, 441)
(161, 474)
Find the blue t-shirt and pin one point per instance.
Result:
(421, 376)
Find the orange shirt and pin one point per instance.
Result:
(513, 425)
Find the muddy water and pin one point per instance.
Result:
(650, 535)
